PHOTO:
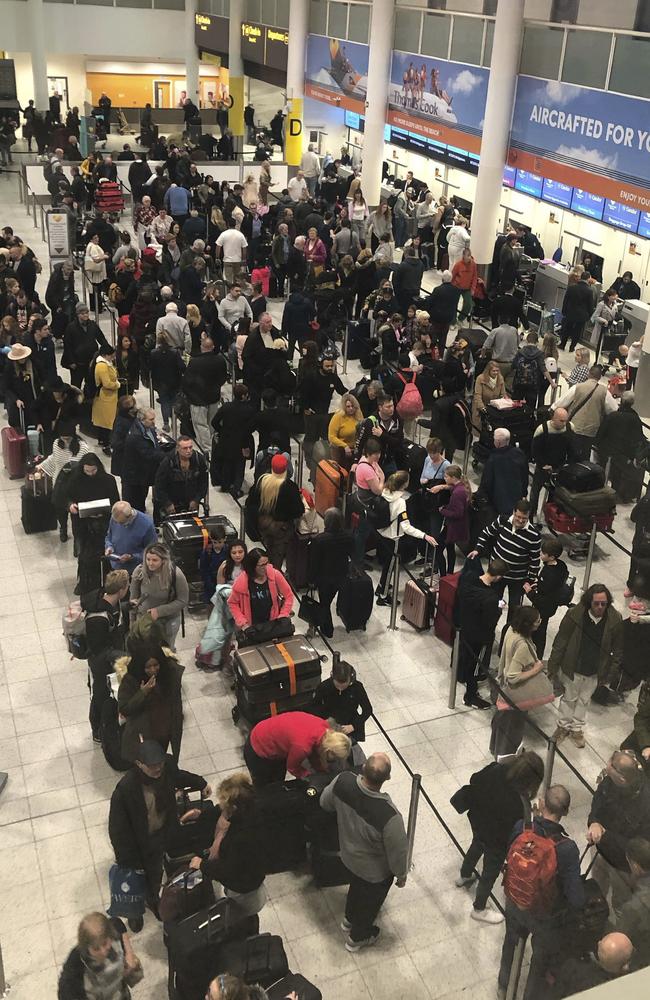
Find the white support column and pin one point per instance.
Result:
(36, 36)
(236, 70)
(191, 53)
(381, 45)
(298, 29)
(504, 67)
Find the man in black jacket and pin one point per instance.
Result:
(104, 635)
(61, 298)
(273, 421)
(202, 384)
(296, 318)
(182, 479)
(442, 306)
(577, 307)
(407, 279)
(553, 446)
(142, 456)
(315, 392)
(234, 444)
(143, 819)
(479, 610)
(508, 310)
(139, 174)
(81, 341)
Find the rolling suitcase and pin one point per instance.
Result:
(14, 451)
(193, 943)
(355, 599)
(444, 620)
(321, 830)
(282, 807)
(275, 677)
(186, 535)
(414, 458)
(297, 559)
(293, 983)
(588, 504)
(260, 959)
(329, 485)
(37, 512)
(419, 601)
(581, 477)
(358, 339)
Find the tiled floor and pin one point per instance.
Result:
(54, 851)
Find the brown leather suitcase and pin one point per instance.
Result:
(14, 451)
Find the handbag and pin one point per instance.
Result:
(128, 888)
(527, 694)
(310, 610)
(278, 628)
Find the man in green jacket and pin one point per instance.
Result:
(586, 655)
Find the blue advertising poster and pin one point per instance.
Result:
(591, 131)
(557, 194)
(336, 72)
(621, 216)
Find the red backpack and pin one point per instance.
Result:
(410, 404)
(530, 871)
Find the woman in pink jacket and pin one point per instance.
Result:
(464, 277)
(315, 251)
(260, 593)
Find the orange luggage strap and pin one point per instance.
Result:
(203, 530)
(291, 664)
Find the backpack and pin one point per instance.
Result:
(115, 293)
(378, 511)
(526, 370)
(90, 385)
(530, 871)
(74, 628)
(410, 404)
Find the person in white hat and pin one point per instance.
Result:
(22, 387)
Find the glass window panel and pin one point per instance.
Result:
(359, 23)
(133, 3)
(467, 40)
(489, 38)
(631, 66)
(407, 30)
(169, 4)
(225, 4)
(101, 3)
(282, 13)
(338, 20)
(586, 57)
(435, 35)
(541, 51)
(253, 10)
(268, 12)
(318, 17)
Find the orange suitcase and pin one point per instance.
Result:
(331, 484)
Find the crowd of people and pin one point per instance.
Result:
(192, 289)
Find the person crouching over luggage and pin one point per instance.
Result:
(296, 742)
(343, 698)
(236, 857)
(260, 593)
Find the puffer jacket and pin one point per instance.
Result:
(135, 706)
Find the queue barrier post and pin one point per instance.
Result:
(151, 395)
(395, 575)
(590, 556)
(549, 764)
(467, 453)
(453, 680)
(174, 425)
(34, 210)
(242, 523)
(42, 223)
(4, 985)
(515, 969)
(345, 348)
(416, 784)
(299, 463)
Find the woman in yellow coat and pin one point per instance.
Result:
(105, 401)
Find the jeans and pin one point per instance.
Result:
(472, 657)
(520, 924)
(540, 480)
(571, 331)
(311, 183)
(466, 304)
(492, 863)
(275, 537)
(202, 417)
(445, 557)
(582, 445)
(167, 400)
(363, 903)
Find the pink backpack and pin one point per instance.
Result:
(410, 405)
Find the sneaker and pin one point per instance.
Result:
(487, 916)
(560, 734)
(346, 925)
(477, 702)
(462, 881)
(386, 602)
(354, 946)
(577, 738)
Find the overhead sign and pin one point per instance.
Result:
(276, 48)
(58, 234)
(211, 33)
(589, 139)
(252, 41)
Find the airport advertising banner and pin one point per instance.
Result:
(336, 72)
(585, 138)
(444, 101)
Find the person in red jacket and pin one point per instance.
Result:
(464, 277)
(293, 741)
(260, 592)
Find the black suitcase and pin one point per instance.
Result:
(321, 830)
(194, 943)
(355, 599)
(520, 421)
(358, 339)
(254, 712)
(260, 959)
(282, 807)
(293, 983)
(414, 458)
(37, 512)
(581, 477)
(627, 479)
(186, 536)
(275, 671)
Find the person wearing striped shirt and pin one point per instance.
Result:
(517, 542)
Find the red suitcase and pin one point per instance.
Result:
(444, 621)
(14, 451)
(330, 485)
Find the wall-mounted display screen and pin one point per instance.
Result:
(529, 183)
(644, 225)
(588, 204)
(621, 216)
(352, 120)
(509, 175)
(556, 193)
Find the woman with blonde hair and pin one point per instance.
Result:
(160, 589)
(342, 430)
(278, 502)
(236, 858)
(197, 327)
(489, 385)
(296, 742)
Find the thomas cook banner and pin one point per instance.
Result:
(585, 138)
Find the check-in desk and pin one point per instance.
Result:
(551, 282)
(637, 313)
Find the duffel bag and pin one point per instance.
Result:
(599, 501)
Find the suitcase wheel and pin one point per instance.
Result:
(236, 714)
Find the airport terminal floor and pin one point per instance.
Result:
(54, 849)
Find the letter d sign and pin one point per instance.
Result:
(295, 126)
